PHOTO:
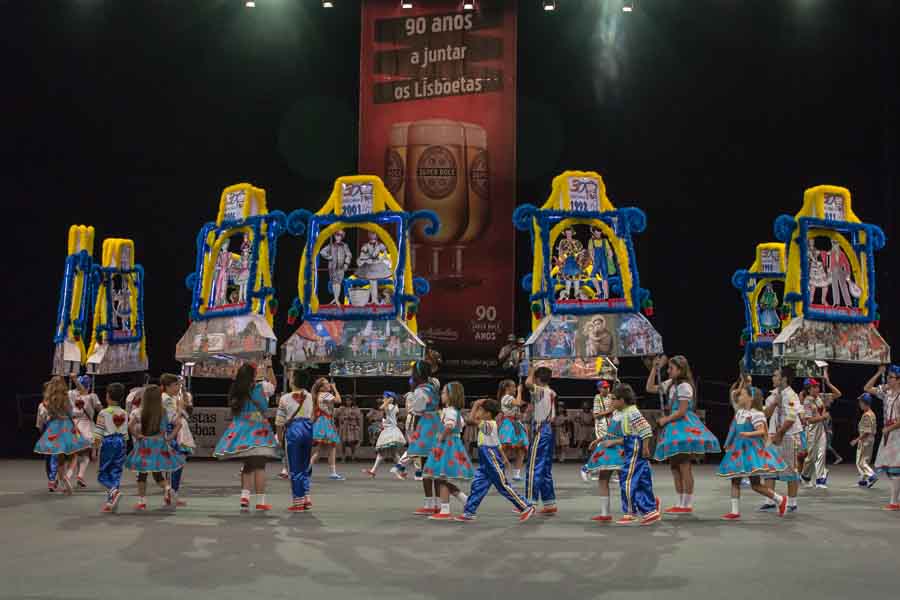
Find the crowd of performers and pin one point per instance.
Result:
(779, 436)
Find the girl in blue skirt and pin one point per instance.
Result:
(513, 437)
(448, 459)
(607, 456)
(152, 451)
(60, 437)
(325, 435)
(748, 452)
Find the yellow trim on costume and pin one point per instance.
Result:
(532, 464)
(503, 482)
(81, 237)
(382, 201)
(814, 206)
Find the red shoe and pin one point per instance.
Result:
(263, 507)
(687, 510)
(731, 517)
(782, 507)
(81, 482)
(602, 518)
(167, 497)
(673, 510)
(297, 507)
(891, 507)
(549, 510)
(245, 504)
(369, 472)
(107, 508)
(181, 503)
(651, 518)
(113, 502)
(464, 518)
(439, 516)
(51, 486)
(426, 512)
(140, 506)
(627, 520)
(527, 514)
(308, 504)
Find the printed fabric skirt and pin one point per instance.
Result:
(61, 436)
(390, 438)
(248, 435)
(748, 457)
(424, 436)
(154, 454)
(888, 460)
(449, 460)
(606, 459)
(512, 434)
(324, 432)
(687, 435)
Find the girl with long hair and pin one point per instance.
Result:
(60, 437)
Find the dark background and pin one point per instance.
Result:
(712, 116)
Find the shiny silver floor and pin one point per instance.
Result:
(362, 542)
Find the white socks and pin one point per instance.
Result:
(792, 501)
(604, 506)
(735, 506)
(685, 500)
(260, 498)
(245, 495)
(445, 509)
(377, 461)
(429, 503)
(517, 473)
(142, 500)
(83, 461)
(895, 490)
(461, 497)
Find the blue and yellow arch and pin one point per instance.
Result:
(566, 207)
(132, 274)
(827, 211)
(73, 310)
(383, 213)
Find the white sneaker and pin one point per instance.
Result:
(585, 477)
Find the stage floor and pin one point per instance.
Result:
(362, 542)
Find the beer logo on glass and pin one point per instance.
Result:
(479, 174)
(584, 194)
(771, 260)
(234, 205)
(436, 172)
(834, 207)
(356, 199)
(394, 172)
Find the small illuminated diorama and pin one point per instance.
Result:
(119, 342)
(74, 311)
(233, 300)
(830, 282)
(357, 297)
(762, 290)
(585, 292)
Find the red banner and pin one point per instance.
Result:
(438, 124)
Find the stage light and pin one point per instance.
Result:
(327, 4)
(628, 6)
(468, 6)
(549, 5)
(250, 4)
(406, 4)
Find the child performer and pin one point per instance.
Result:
(492, 464)
(422, 431)
(390, 440)
(513, 437)
(602, 412)
(178, 405)
(350, 427)
(636, 478)
(295, 428)
(110, 438)
(748, 453)
(41, 422)
(60, 437)
(152, 452)
(249, 437)
(85, 406)
(325, 397)
(607, 456)
(449, 459)
(783, 409)
(562, 431)
(865, 441)
(888, 460)
(816, 413)
(683, 435)
(539, 479)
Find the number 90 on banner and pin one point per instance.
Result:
(486, 313)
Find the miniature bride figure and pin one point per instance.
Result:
(374, 263)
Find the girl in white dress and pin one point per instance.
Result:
(390, 441)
